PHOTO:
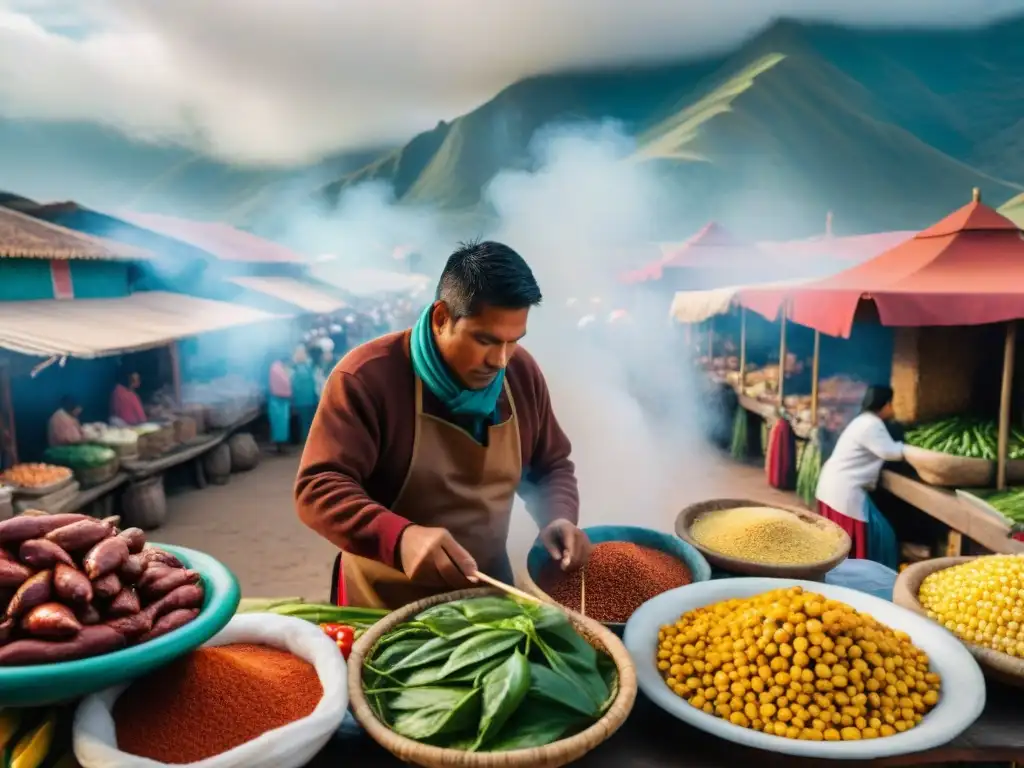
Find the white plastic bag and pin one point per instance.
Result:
(290, 746)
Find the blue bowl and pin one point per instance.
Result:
(44, 684)
(645, 537)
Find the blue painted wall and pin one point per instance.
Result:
(27, 279)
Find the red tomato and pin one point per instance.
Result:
(345, 638)
(331, 630)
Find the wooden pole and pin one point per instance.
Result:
(175, 353)
(7, 427)
(743, 350)
(782, 355)
(1005, 397)
(815, 370)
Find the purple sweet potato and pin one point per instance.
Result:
(187, 596)
(51, 621)
(25, 527)
(91, 641)
(38, 589)
(107, 586)
(125, 604)
(170, 622)
(41, 554)
(81, 535)
(135, 538)
(106, 557)
(72, 586)
(13, 574)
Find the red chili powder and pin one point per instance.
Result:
(213, 700)
(620, 577)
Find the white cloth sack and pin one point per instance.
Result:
(291, 746)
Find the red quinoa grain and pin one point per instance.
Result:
(620, 577)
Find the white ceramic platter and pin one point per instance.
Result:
(963, 687)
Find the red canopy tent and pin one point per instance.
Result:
(712, 248)
(967, 269)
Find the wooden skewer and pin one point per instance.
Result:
(508, 589)
(583, 592)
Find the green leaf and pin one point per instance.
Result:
(444, 620)
(577, 672)
(480, 647)
(440, 718)
(430, 652)
(504, 689)
(484, 610)
(550, 686)
(536, 723)
(436, 674)
(558, 633)
(407, 699)
(394, 652)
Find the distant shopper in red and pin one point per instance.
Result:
(125, 404)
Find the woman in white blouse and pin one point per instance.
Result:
(852, 471)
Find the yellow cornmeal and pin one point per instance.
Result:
(764, 535)
(798, 665)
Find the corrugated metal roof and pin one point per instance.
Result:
(26, 237)
(89, 328)
(219, 240)
(288, 289)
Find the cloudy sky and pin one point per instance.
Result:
(284, 81)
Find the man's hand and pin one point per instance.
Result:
(566, 544)
(432, 556)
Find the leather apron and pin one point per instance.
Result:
(453, 482)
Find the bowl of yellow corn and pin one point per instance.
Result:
(804, 668)
(753, 538)
(978, 599)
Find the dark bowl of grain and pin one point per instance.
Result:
(628, 566)
(753, 538)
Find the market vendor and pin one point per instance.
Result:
(64, 427)
(424, 436)
(852, 471)
(125, 404)
(279, 404)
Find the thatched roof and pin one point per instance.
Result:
(25, 237)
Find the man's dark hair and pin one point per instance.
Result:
(876, 398)
(124, 376)
(487, 273)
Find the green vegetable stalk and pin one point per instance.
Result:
(808, 472)
(316, 613)
(966, 437)
(739, 448)
(488, 674)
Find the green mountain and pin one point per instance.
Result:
(102, 168)
(890, 130)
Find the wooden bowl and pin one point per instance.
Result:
(810, 571)
(553, 755)
(995, 664)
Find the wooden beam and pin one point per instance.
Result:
(175, 352)
(743, 349)
(815, 370)
(782, 356)
(1005, 400)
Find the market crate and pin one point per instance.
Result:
(90, 477)
(198, 413)
(185, 429)
(155, 444)
(936, 371)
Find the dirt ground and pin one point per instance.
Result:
(250, 524)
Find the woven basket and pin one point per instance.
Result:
(90, 477)
(553, 755)
(995, 664)
(947, 471)
(810, 571)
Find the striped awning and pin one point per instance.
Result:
(91, 328)
(291, 291)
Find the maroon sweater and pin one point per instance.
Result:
(360, 446)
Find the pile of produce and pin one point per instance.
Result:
(981, 602)
(620, 577)
(488, 675)
(966, 437)
(75, 586)
(34, 475)
(36, 738)
(797, 665)
(807, 473)
(342, 624)
(83, 456)
(213, 700)
(740, 446)
(765, 535)
(1009, 502)
(104, 434)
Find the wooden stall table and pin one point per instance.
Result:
(944, 506)
(651, 738)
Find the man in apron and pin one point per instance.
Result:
(423, 438)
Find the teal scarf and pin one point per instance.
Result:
(480, 405)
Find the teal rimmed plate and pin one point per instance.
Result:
(44, 684)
